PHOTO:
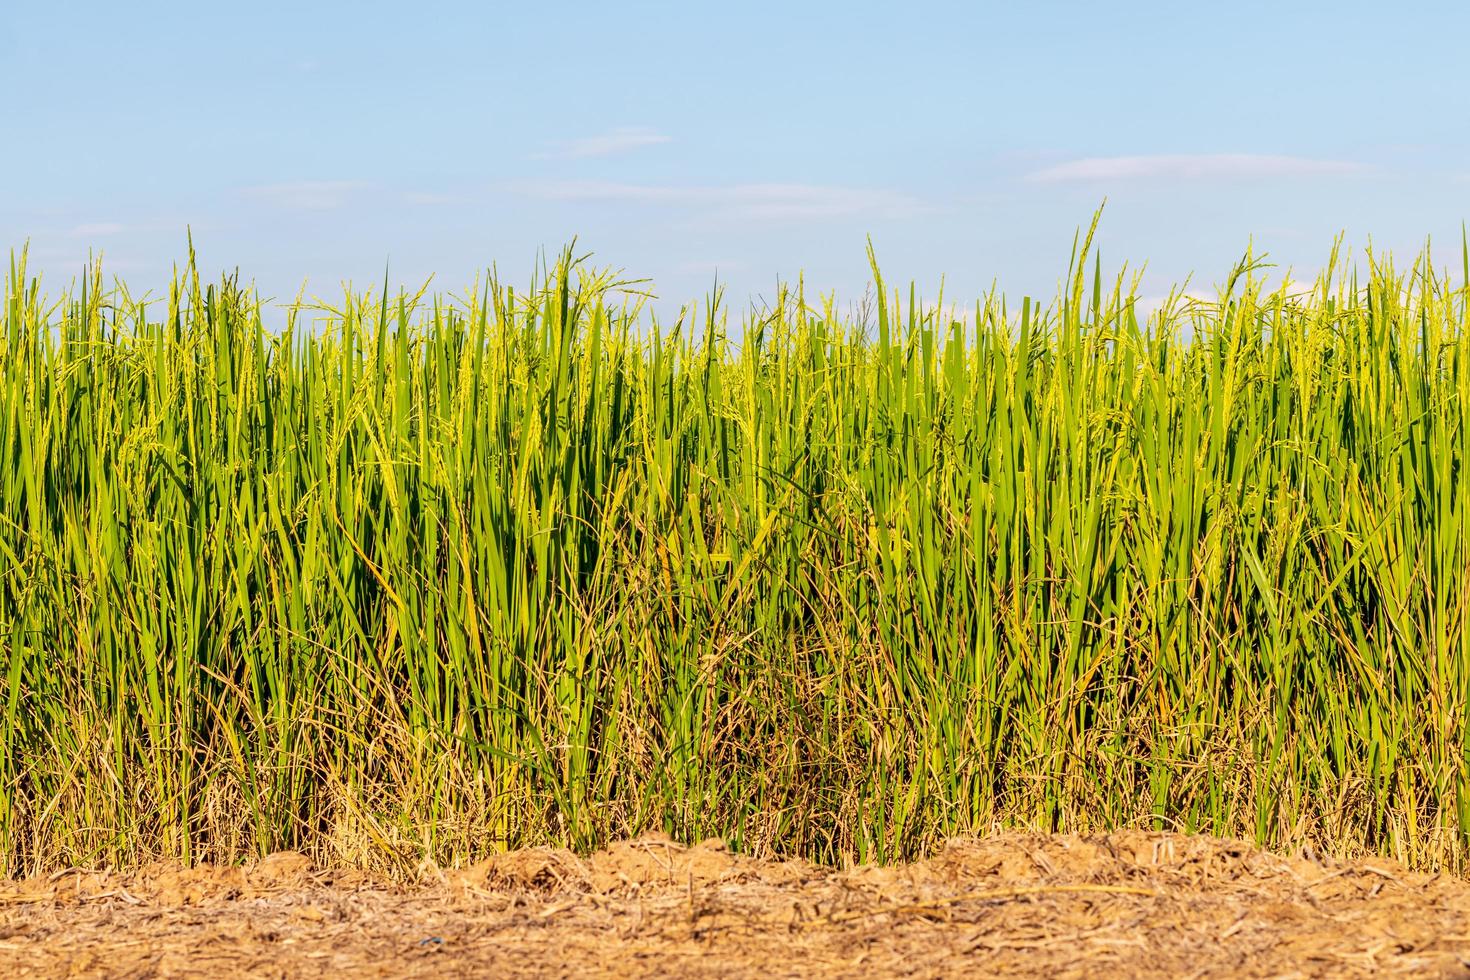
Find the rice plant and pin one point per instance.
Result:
(420, 577)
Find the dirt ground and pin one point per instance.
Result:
(1130, 903)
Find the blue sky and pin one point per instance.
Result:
(320, 140)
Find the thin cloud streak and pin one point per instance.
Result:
(1184, 166)
(772, 201)
(623, 139)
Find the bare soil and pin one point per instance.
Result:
(1130, 903)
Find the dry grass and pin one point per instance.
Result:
(1133, 903)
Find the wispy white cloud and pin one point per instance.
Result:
(1192, 166)
(749, 201)
(623, 139)
(97, 229)
(308, 195)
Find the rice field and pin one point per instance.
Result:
(421, 577)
